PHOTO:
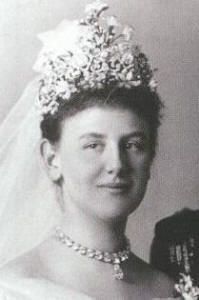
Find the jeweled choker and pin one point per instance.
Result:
(113, 258)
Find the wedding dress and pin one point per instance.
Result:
(34, 289)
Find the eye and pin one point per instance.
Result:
(93, 146)
(134, 145)
(97, 146)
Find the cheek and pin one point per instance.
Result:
(80, 170)
(141, 165)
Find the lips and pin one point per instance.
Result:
(115, 187)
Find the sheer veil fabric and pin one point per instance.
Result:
(28, 209)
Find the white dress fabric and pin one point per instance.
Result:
(37, 289)
(41, 289)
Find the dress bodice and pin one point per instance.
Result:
(36, 289)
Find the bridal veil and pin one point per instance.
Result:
(28, 208)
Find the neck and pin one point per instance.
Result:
(93, 232)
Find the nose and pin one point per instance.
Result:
(116, 162)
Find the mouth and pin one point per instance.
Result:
(116, 187)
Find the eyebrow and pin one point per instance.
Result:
(136, 134)
(93, 135)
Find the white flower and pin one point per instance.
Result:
(186, 288)
(104, 67)
(63, 89)
(187, 297)
(115, 63)
(136, 83)
(112, 21)
(127, 58)
(97, 7)
(80, 59)
(104, 54)
(129, 76)
(85, 55)
(153, 84)
(63, 39)
(127, 33)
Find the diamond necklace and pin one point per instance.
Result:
(113, 258)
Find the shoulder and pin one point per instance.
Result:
(9, 294)
(24, 266)
(22, 279)
(9, 289)
(158, 283)
(14, 276)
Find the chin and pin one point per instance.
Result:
(117, 208)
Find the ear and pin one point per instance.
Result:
(51, 159)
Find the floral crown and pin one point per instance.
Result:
(87, 55)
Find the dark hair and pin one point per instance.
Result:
(141, 100)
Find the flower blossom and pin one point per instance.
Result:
(186, 289)
(85, 55)
(96, 8)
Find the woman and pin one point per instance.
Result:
(99, 117)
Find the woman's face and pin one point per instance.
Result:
(105, 161)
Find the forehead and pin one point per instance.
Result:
(104, 120)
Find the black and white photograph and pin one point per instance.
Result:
(99, 149)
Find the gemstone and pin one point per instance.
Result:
(118, 273)
(91, 253)
(76, 247)
(61, 235)
(113, 258)
(116, 260)
(69, 243)
(83, 251)
(123, 258)
(99, 256)
(107, 257)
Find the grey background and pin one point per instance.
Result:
(168, 30)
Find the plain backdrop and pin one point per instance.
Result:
(168, 31)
